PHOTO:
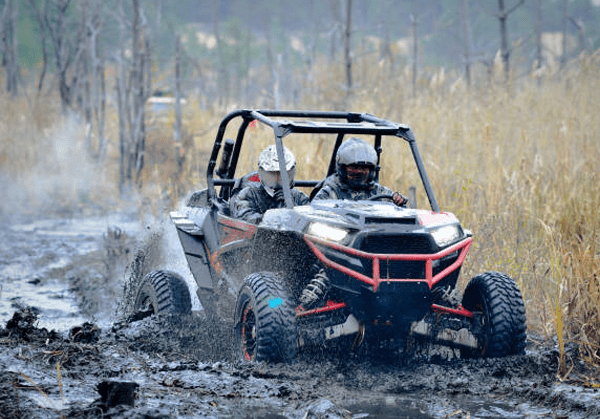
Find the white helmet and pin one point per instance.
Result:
(357, 152)
(268, 168)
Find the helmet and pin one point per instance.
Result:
(268, 168)
(356, 152)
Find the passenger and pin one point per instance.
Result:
(254, 200)
(354, 176)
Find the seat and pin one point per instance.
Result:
(241, 183)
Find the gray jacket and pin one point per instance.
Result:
(253, 201)
(334, 188)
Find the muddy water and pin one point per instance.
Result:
(62, 345)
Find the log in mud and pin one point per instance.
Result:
(66, 351)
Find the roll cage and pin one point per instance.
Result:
(304, 122)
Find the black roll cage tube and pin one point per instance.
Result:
(355, 123)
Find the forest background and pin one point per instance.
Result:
(109, 104)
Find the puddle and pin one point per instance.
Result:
(35, 262)
(57, 307)
(389, 408)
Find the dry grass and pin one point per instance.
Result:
(517, 162)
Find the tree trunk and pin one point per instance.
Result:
(504, 49)
(415, 65)
(138, 83)
(563, 55)
(580, 32)
(10, 50)
(467, 40)
(222, 76)
(337, 22)
(123, 105)
(504, 52)
(347, 46)
(41, 18)
(132, 93)
(177, 127)
(538, 34)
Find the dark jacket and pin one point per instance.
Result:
(334, 188)
(253, 201)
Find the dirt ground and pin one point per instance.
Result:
(65, 352)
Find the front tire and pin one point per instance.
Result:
(162, 292)
(265, 319)
(501, 326)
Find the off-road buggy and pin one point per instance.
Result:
(386, 273)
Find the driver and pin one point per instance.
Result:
(255, 199)
(354, 176)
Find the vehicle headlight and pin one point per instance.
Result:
(327, 232)
(446, 235)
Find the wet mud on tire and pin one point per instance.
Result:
(183, 366)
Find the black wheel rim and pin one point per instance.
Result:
(248, 332)
(485, 326)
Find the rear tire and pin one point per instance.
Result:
(162, 292)
(265, 318)
(502, 328)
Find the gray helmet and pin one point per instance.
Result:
(268, 168)
(356, 152)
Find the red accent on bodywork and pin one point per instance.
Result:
(375, 278)
(235, 230)
(460, 310)
(330, 306)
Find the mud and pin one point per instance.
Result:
(65, 350)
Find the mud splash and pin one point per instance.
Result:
(65, 353)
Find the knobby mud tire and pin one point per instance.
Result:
(265, 318)
(503, 324)
(162, 292)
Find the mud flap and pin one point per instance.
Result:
(349, 327)
(461, 338)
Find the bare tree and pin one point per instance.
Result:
(565, 17)
(91, 69)
(578, 23)
(502, 16)
(41, 18)
(132, 93)
(336, 26)
(414, 23)
(223, 75)
(347, 45)
(177, 126)
(538, 34)
(385, 53)
(9, 46)
(467, 40)
(65, 50)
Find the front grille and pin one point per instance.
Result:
(405, 269)
(396, 244)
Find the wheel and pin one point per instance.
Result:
(499, 324)
(162, 292)
(265, 318)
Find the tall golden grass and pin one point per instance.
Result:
(516, 161)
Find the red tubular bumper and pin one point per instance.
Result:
(375, 279)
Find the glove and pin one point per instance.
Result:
(278, 195)
(399, 199)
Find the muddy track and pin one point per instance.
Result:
(65, 352)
